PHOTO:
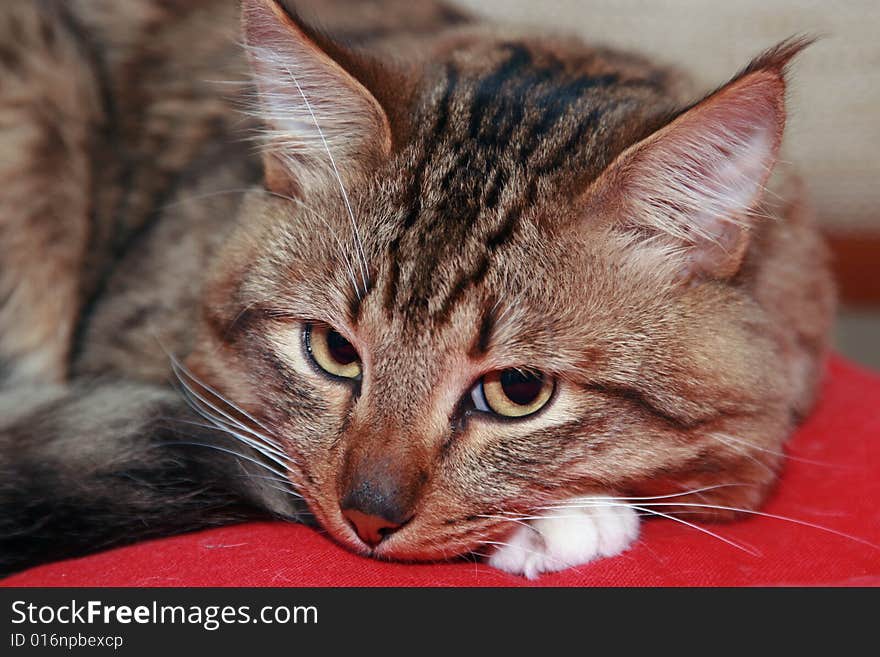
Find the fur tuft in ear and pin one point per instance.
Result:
(696, 181)
(320, 121)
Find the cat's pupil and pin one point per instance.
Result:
(342, 351)
(521, 387)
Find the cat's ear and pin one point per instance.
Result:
(696, 182)
(320, 120)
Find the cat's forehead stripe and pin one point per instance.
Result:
(492, 138)
(483, 338)
(415, 192)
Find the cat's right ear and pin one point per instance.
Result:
(696, 183)
(321, 122)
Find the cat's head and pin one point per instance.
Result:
(494, 278)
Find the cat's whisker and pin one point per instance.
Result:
(262, 444)
(444, 552)
(221, 423)
(199, 404)
(724, 440)
(769, 515)
(224, 421)
(177, 365)
(644, 506)
(524, 520)
(333, 233)
(780, 453)
(284, 485)
(228, 451)
(256, 448)
(231, 426)
(280, 459)
(358, 243)
(752, 552)
(178, 368)
(611, 502)
(520, 520)
(684, 493)
(241, 313)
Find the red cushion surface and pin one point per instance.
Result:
(833, 480)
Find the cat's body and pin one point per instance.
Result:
(470, 180)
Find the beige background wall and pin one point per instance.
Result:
(834, 126)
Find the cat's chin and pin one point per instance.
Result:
(574, 533)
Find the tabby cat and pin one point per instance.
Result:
(436, 285)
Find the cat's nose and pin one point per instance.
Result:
(371, 529)
(378, 495)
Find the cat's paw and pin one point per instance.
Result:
(567, 537)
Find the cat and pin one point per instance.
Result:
(436, 285)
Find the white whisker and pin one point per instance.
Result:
(233, 453)
(790, 457)
(177, 365)
(519, 521)
(523, 520)
(219, 422)
(226, 423)
(332, 232)
(284, 485)
(599, 502)
(754, 553)
(653, 497)
(280, 459)
(770, 515)
(357, 237)
(278, 480)
(732, 444)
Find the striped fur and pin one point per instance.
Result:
(447, 194)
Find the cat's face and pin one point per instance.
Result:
(415, 407)
(439, 331)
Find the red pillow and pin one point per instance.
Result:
(832, 480)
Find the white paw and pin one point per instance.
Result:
(567, 537)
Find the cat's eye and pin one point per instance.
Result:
(332, 352)
(512, 392)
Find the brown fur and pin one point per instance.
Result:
(484, 248)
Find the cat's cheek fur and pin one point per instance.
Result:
(568, 537)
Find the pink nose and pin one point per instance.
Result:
(371, 529)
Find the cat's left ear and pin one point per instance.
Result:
(321, 121)
(695, 183)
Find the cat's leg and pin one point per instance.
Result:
(581, 531)
(50, 114)
(87, 467)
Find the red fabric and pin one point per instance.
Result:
(833, 481)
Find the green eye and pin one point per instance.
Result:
(332, 352)
(512, 392)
